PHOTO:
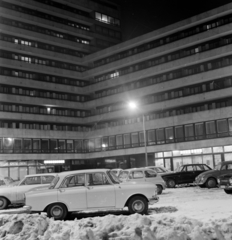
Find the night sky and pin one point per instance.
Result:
(142, 16)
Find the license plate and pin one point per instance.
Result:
(222, 186)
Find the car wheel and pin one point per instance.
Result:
(138, 205)
(211, 183)
(171, 183)
(228, 191)
(3, 203)
(159, 189)
(58, 211)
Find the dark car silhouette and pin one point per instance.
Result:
(209, 179)
(225, 182)
(184, 174)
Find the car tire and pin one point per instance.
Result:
(171, 183)
(228, 191)
(3, 203)
(159, 189)
(138, 205)
(58, 211)
(211, 183)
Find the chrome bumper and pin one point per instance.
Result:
(153, 200)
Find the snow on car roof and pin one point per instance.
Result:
(83, 171)
(40, 174)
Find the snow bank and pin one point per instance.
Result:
(133, 227)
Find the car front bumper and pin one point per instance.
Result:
(153, 200)
(229, 187)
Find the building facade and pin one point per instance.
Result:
(72, 112)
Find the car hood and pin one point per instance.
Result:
(209, 172)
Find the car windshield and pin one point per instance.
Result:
(113, 177)
(8, 180)
(54, 182)
(218, 166)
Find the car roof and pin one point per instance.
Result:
(83, 171)
(131, 169)
(227, 162)
(41, 174)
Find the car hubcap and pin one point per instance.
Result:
(56, 211)
(211, 183)
(138, 206)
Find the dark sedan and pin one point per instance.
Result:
(185, 174)
(225, 182)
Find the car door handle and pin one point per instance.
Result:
(61, 189)
(89, 187)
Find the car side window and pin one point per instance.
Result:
(97, 179)
(229, 166)
(190, 168)
(224, 167)
(74, 181)
(137, 174)
(2, 183)
(199, 168)
(32, 180)
(47, 179)
(150, 174)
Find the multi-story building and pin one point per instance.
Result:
(75, 108)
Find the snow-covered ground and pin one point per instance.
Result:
(181, 214)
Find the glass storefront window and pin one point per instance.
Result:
(189, 132)
(14, 173)
(167, 154)
(32, 170)
(112, 142)
(105, 143)
(159, 162)
(98, 144)
(177, 162)
(207, 150)
(217, 149)
(159, 155)
(78, 145)
(176, 153)
(141, 138)
(4, 172)
(208, 160)
(179, 134)
(197, 159)
(228, 156)
(228, 148)
(91, 145)
(22, 172)
(217, 158)
(187, 160)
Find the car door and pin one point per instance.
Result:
(100, 192)
(72, 192)
(226, 169)
(27, 184)
(187, 174)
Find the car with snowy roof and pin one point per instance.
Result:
(209, 179)
(14, 194)
(91, 189)
(143, 175)
(184, 174)
(159, 169)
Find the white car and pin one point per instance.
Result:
(93, 189)
(116, 171)
(14, 194)
(143, 175)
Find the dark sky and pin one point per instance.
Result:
(142, 16)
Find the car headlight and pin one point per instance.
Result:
(230, 181)
(218, 180)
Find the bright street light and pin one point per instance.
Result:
(133, 106)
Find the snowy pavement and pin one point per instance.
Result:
(181, 214)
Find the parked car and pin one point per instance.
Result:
(159, 169)
(209, 178)
(142, 175)
(116, 171)
(14, 194)
(225, 182)
(6, 181)
(92, 189)
(184, 174)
